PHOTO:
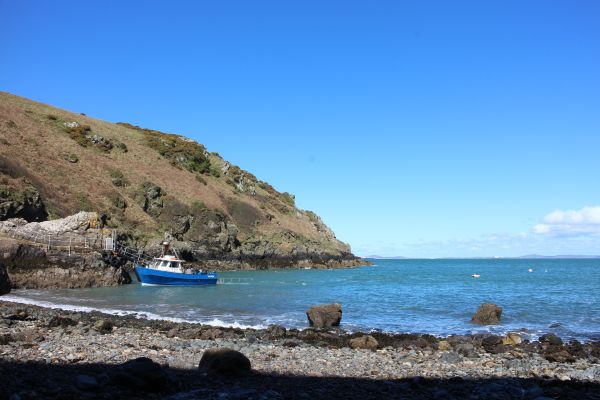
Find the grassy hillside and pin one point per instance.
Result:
(149, 182)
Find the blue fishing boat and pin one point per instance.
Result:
(168, 270)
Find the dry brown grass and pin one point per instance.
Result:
(60, 182)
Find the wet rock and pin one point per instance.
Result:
(560, 356)
(62, 321)
(143, 374)
(4, 281)
(552, 339)
(576, 349)
(103, 326)
(325, 316)
(487, 314)
(493, 344)
(211, 334)
(274, 332)
(367, 342)
(19, 315)
(224, 361)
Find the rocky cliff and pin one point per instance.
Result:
(55, 163)
(63, 253)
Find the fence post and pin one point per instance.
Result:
(70, 239)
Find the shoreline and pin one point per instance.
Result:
(526, 333)
(58, 339)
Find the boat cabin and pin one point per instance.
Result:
(167, 263)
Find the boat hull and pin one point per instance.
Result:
(148, 276)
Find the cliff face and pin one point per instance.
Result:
(54, 163)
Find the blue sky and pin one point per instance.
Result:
(416, 128)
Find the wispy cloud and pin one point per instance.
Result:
(559, 223)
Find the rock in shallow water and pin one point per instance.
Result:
(487, 314)
(324, 316)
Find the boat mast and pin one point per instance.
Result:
(167, 245)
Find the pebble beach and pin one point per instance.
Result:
(49, 353)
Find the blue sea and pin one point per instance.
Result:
(422, 296)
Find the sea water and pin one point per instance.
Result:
(422, 296)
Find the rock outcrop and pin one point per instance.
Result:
(487, 314)
(325, 316)
(57, 254)
(19, 199)
(31, 267)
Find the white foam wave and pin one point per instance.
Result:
(137, 314)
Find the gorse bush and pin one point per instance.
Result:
(80, 134)
(182, 152)
(118, 179)
(288, 198)
(201, 180)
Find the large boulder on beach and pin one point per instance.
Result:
(324, 316)
(142, 374)
(367, 342)
(4, 281)
(224, 361)
(487, 314)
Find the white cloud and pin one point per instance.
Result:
(571, 222)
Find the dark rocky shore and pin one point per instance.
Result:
(47, 353)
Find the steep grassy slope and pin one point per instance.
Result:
(148, 182)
